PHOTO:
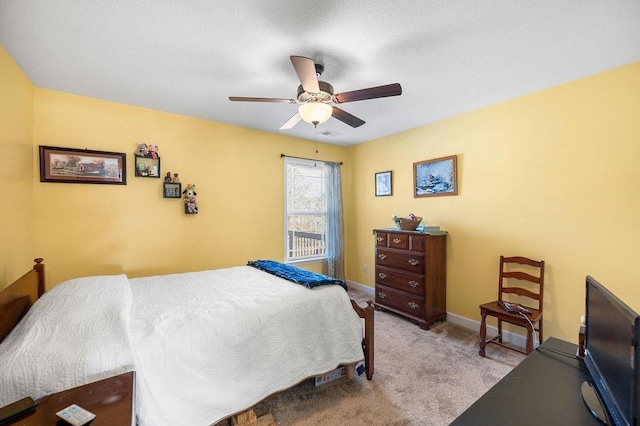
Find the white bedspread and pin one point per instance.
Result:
(204, 345)
(212, 343)
(64, 341)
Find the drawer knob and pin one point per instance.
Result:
(379, 239)
(382, 256)
(397, 240)
(413, 305)
(413, 262)
(382, 275)
(414, 284)
(381, 295)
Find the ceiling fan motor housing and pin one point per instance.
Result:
(324, 95)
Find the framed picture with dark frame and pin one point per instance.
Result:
(437, 177)
(384, 185)
(172, 190)
(71, 165)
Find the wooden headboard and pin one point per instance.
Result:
(17, 298)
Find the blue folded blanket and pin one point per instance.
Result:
(294, 274)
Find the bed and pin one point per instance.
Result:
(204, 344)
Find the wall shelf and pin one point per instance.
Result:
(147, 167)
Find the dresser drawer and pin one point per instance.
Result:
(398, 241)
(407, 261)
(404, 281)
(394, 299)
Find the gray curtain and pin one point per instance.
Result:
(334, 265)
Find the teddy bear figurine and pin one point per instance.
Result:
(143, 149)
(189, 198)
(153, 152)
(175, 178)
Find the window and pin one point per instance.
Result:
(305, 210)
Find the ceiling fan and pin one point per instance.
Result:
(315, 96)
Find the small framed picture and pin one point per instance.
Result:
(383, 184)
(172, 190)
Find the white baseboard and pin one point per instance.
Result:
(507, 336)
(361, 287)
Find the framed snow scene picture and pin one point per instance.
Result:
(437, 177)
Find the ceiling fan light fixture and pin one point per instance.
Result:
(315, 112)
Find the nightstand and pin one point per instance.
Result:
(111, 400)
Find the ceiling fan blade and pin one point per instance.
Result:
(306, 70)
(371, 93)
(291, 122)
(243, 99)
(346, 118)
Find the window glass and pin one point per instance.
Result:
(305, 209)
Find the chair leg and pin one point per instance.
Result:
(540, 339)
(483, 331)
(529, 339)
(500, 330)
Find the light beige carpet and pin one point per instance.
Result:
(422, 377)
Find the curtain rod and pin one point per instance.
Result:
(303, 158)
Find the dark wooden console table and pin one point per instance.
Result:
(544, 389)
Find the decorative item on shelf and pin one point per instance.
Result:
(189, 198)
(147, 151)
(143, 150)
(167, 178)
(175, 178)
(409, 223)
(153, 152)
(171, 190)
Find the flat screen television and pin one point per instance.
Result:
(612, 357)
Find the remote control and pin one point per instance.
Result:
(512, 307)
(75, 415)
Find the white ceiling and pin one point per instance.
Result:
(189, 56)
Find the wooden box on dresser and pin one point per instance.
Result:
(411, 275)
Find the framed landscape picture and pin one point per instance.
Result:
(383, 184)
(437, 177)
(70, 165)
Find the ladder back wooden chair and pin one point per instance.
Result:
(520, 278)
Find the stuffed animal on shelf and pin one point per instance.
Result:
(175, 178)
(189, 198)
(143, 149)
(153, 152)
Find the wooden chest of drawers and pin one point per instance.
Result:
(411, 275)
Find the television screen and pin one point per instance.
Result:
(611, 352)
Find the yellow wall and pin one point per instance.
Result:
(16, 157)
(104, 229)
(553, 175)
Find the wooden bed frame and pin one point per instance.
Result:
(18, 297)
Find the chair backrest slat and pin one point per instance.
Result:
(521, 292)
(506, 273)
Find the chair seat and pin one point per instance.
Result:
(495, 310)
